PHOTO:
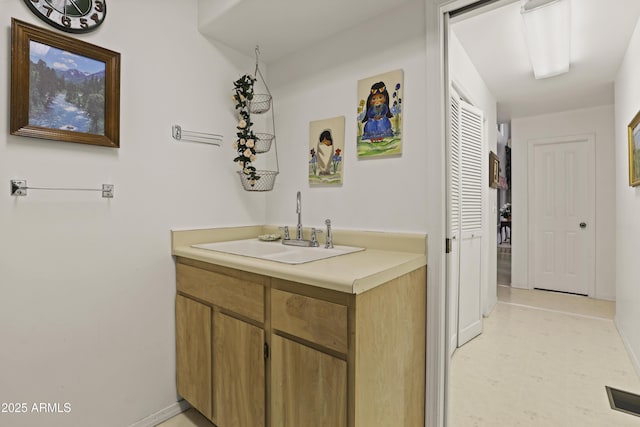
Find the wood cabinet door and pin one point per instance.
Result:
(308, 387)
(239, 372)
(193, 354)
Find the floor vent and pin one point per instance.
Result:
(624, 401)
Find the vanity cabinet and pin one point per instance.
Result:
(253, 350)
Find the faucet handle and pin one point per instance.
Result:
(314, 236)
(286, 231)
(329, 242)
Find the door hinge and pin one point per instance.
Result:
(266, 351)
(447, 246)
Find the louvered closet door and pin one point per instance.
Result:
(471, 157)
(453, 258)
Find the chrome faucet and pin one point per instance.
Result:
(299, 240)
(299, 212)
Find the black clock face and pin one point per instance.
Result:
(73, 16)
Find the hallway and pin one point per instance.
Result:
(543, 360)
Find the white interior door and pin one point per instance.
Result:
(471, 157)
(562, 210)
(465, 220)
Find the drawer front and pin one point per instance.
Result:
(314, 320)
(236, 295)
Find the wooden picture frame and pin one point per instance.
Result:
(63, 89)
(633, 131)
(494, 170)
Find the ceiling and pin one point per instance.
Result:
(282, 27)
(492, 37)
(600, 34)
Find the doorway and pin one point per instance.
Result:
(550, 127)
(503, 218)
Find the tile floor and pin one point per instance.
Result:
(542, 360)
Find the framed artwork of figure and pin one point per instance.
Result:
(326, 146)
(379, 118)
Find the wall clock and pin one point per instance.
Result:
(72, 16)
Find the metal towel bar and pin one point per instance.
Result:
(180, 134)
(19, 188)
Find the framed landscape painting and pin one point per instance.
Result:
(634, 151)
(62, 88)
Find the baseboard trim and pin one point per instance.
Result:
(550, 310)
(163, 414)
(630, 352)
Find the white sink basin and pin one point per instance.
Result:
(276, 251)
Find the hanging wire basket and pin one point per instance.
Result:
(260, 103)
(265, 183)
(263, 142)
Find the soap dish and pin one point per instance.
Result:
(269, 237)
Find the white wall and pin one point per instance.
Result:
(627, 204)
(600, 122)
(471, 86)
(87, 284)
(321, 82)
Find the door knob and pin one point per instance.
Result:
(583, 225)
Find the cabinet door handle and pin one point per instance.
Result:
(266, 351)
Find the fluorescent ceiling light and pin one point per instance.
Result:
(547, 31)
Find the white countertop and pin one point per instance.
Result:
(386, 257)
